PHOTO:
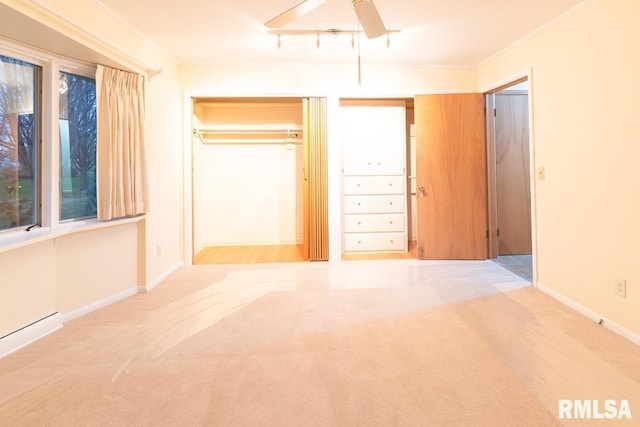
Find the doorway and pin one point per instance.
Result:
(248, 174)
(508, 150)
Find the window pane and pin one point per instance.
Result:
(19, 137)
(77, 146)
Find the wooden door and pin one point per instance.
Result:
(451, 176)
(512, 173)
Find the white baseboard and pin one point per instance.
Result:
(29, 334)
(67, 317)
(609, 324)
(155, 282)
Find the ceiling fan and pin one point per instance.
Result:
(365, 10)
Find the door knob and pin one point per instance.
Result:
(421, 190)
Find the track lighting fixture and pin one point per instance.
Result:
(353, 34)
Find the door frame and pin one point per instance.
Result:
(492, 241)
(188, 249)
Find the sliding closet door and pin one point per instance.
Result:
(316, 216)
(306, 210)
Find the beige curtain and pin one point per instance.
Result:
(315, 110)
(121, 179)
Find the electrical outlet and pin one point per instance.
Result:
(621, 288)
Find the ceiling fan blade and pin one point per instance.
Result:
(291, 14)
(369, 18)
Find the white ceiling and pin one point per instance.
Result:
(433, 32)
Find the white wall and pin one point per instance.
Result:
(247, 194)
(163, 231)
(27, 290)
(66, 273)
(586, 128)
(94, 265)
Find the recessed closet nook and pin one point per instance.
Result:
(260, 179)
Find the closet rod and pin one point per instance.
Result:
(249, 131)
(250, 142)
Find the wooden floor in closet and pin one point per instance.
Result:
(249, 254)
(282, 253)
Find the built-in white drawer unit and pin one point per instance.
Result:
(373, 185)
(364, 223)
(364, 242)
(374, 204)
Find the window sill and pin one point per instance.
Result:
(19, 239)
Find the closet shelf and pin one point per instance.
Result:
(251, 128)
(249, 134)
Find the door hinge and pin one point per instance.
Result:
(498, 232)
(495, 113)
(487, 234)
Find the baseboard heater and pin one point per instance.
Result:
(27, 334)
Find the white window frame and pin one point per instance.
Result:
(79, 69)
(32, 57)
(49, 159)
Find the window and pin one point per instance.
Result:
(48, 134)
(77, 126)
(19, 143)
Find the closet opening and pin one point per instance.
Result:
(378, 179)
(248, 181)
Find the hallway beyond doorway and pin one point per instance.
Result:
(521, 265)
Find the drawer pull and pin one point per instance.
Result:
(358, 203)
(391, 241)
(358, 222)
(358, 185)
(359, 241)
(390, 222)
(391, 203)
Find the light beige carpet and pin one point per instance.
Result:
(319, 357)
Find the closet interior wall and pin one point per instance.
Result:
(247, 172)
